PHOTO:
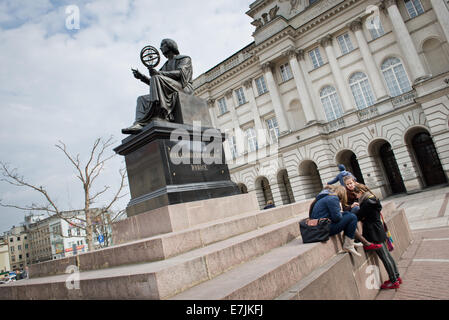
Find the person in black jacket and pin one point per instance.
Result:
(373, 231)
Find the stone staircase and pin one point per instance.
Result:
(226, 254)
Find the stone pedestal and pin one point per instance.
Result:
(170, 163)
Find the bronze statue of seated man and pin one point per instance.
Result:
(174, 76)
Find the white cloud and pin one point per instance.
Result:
(76, 85)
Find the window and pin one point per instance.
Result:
(19, 247)
(261, 86)
(331, 103)
(222, 106)
(345, 43)
(361, 90)
(375, 28)
(12, 249)
(286, 72)
(414, 8)
(11, 239)
(315, 56)
(252, 139)
(18, 238)
(395, 77)
(240, 96)
(273, 129)
(233, 147)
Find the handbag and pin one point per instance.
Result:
(314, 230)
(389, 241)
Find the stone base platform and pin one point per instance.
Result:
(257, 254)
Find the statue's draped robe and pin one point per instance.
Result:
(175, 76)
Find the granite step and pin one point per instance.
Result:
(267, 276)
(271, 275)
(160, 279)
(316, 284)
(170, 244)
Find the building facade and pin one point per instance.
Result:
(358, 82)
(18, 247)
(4, 255)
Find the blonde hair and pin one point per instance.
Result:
(340, 191)
(346, 178)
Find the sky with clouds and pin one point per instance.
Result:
(75, 85)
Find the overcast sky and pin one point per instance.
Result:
(75, 85)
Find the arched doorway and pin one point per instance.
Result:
(428, 160)
(310, 179)
(391, 168)
(285, 187)
(263, 191)
(242, 187)
(349, 160)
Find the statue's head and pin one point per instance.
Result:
(170, 45)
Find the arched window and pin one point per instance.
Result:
(395, 77)
(435, 57)
(331, 103)
(361, 90)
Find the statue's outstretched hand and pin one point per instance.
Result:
(137, 74)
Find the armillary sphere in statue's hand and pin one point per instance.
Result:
(150, 56)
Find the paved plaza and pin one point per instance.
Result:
(424, 267)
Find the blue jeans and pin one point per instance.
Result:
(348, 224)
(355, 209)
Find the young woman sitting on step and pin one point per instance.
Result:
(328, 204)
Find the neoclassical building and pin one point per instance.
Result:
(359, 82)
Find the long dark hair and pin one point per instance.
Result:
(361, 188)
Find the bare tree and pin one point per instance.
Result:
(87, 174)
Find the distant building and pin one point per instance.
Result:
(18, 247)
(4, 255)
(364, 83)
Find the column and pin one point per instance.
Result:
(442, 13)
(239, 137)
(405, 42)
(260, 131)
(373, 72)
(275, 98)
(276, 192)
(301, 86)
(211, 107)
(372, 174)
(302, 63)
(407, 168)
(339, 80)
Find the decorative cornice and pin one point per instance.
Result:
(210, 102)
(325, 41)
(290, 52)
(355, 25)
(286, 32)
(248, 83)
(228, 94)
(388, 3)
(267, 66)
(301, 54)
